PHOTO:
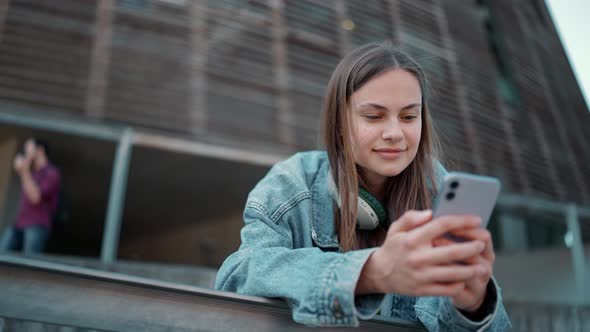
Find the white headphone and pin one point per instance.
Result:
(370, 212)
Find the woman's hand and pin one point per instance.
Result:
(472, 296)
(409, 263)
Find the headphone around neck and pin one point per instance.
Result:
(370, 212)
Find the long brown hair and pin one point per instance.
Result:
(406, 191)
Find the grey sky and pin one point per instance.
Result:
(573, 25)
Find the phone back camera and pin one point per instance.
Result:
(454, 185)
(450, 196)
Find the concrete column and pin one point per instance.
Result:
(577, 250)
(110, 239)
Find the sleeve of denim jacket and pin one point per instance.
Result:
(318, 286)
(439, 314)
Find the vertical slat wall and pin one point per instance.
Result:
(537, 162)
(552, 150)
(241, 90)
(45, 52)
(312, 55)
(570, 102)
(421, 36)
(478, 72)
(372, 21)
(252, 73)
(565, 106)
(148, 81)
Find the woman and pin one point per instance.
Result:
(305, 240)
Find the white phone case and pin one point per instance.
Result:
(471, 194)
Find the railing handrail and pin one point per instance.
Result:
(68, 295)
(539, 203)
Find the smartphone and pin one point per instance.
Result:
(464, 193)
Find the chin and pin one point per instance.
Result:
(393, 171)
(390, 172)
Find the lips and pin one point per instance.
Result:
(388, 150)
(388, 153)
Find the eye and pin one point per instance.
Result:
(372, 117)
(409, 117)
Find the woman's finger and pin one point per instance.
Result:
(410, 220)
(481, 235)
(447, 254)
(442, 225)
(448, 273)
(472, 234)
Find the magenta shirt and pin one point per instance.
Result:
(48, 180)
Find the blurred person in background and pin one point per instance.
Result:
(40, 184)
(304, 238)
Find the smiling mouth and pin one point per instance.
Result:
(391, 150)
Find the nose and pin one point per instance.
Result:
(392, 131)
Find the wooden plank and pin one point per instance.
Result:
(285, 133)
(343, 34)
(4, 6)
(198, 80)
(100, 60)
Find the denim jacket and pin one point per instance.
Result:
(290, 250)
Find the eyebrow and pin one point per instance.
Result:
(381, 107)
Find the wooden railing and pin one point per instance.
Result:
(39, 293)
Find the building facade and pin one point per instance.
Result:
(199, 80)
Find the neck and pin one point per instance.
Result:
(376, 186)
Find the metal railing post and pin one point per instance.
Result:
(110, 239)
(577, 250)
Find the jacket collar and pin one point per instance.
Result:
(323, 230)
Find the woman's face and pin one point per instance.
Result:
(386, 124)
